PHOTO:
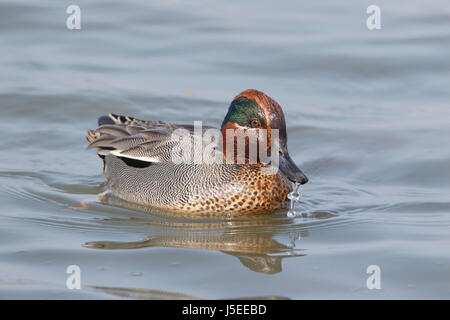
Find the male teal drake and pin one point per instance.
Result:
(138, 165)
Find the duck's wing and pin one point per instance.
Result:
(134, 139)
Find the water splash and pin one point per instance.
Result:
(294, 196)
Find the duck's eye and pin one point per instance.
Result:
(255, 123)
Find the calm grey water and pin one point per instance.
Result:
(368, 118)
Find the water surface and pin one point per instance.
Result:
(368, 119)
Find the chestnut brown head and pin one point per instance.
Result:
(252, 109)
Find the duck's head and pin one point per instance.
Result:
(252, 109)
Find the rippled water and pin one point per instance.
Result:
(368, 119)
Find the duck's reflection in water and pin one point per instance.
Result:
(258, 252)
(259, 242)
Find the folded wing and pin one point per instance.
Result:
(134, 139)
